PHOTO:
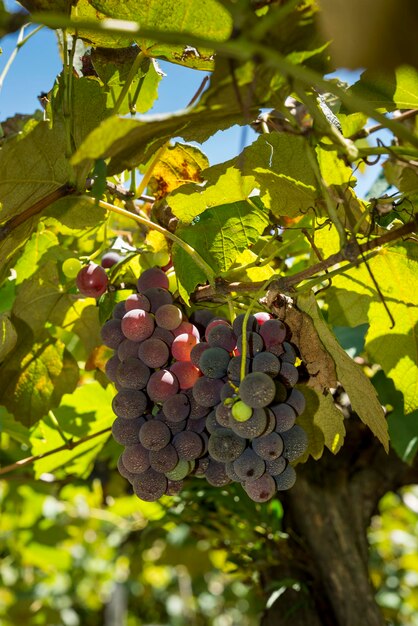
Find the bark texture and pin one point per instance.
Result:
(328, 512)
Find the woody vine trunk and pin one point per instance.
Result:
(327, 514)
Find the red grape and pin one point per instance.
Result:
(153, 277)
(92, 280)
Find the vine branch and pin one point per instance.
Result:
(365, 132)
(34, 209)
(67, 446)
(351, 252)
(169, 235)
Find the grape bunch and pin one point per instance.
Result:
(183, 407)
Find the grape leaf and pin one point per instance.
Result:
(188, 274)
(11, 427)
(403, 429)
(218, 235)
(37, 163)
(222, 232)
(222, 181)
(130, 142)
(41, 298)
(361, 392)
(113, 67)
(323, 422)
(80, 414)
(8, 336)
(178, 164)
(31, 259)
(35, 376)
(207, 18)
(333, 169)
(353, 300)
(103, 38)
(32, 167)
(277, 164)
(73, 215)
(389, 91)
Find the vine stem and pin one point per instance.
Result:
(399, 151)
(21, 40)
(70, 445)
(131, 75)
(365, 132)
(286, 284)
(209, 273)
(244, 326)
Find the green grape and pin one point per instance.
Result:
(161, 258)
(241, 411)
(71, 267)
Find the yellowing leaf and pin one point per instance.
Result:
(179, 164)
(361, 392)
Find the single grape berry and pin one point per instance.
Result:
(71, 267)
(153, 277)
(186, 374)
(137, 301)
(241, 411)
(257, 390)
(92, 280)
(262, 489)
(112, 334)
(109, 259)
(137, 325)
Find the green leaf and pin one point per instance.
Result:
(11, 427)
(277, 164)
(113, 68)
(83, 10)
(403, 429)
(88, 107)
(7, 295)
(73, 215)
(353, 300)
(32, 167)
(250, 274)
(389, 91)
(283, 172)
(207, 18)
(82, 318)
(35, 377)
(80, 414)
(224, 231)
(218, 235)
(333, 169)
(222, 181)
(404, 176)
(361, 392)
(41, 298)
(188, 274)
(31, 259)
(130, 142)
(323, 422)
(8, 336)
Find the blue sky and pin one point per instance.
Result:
(38, 62)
